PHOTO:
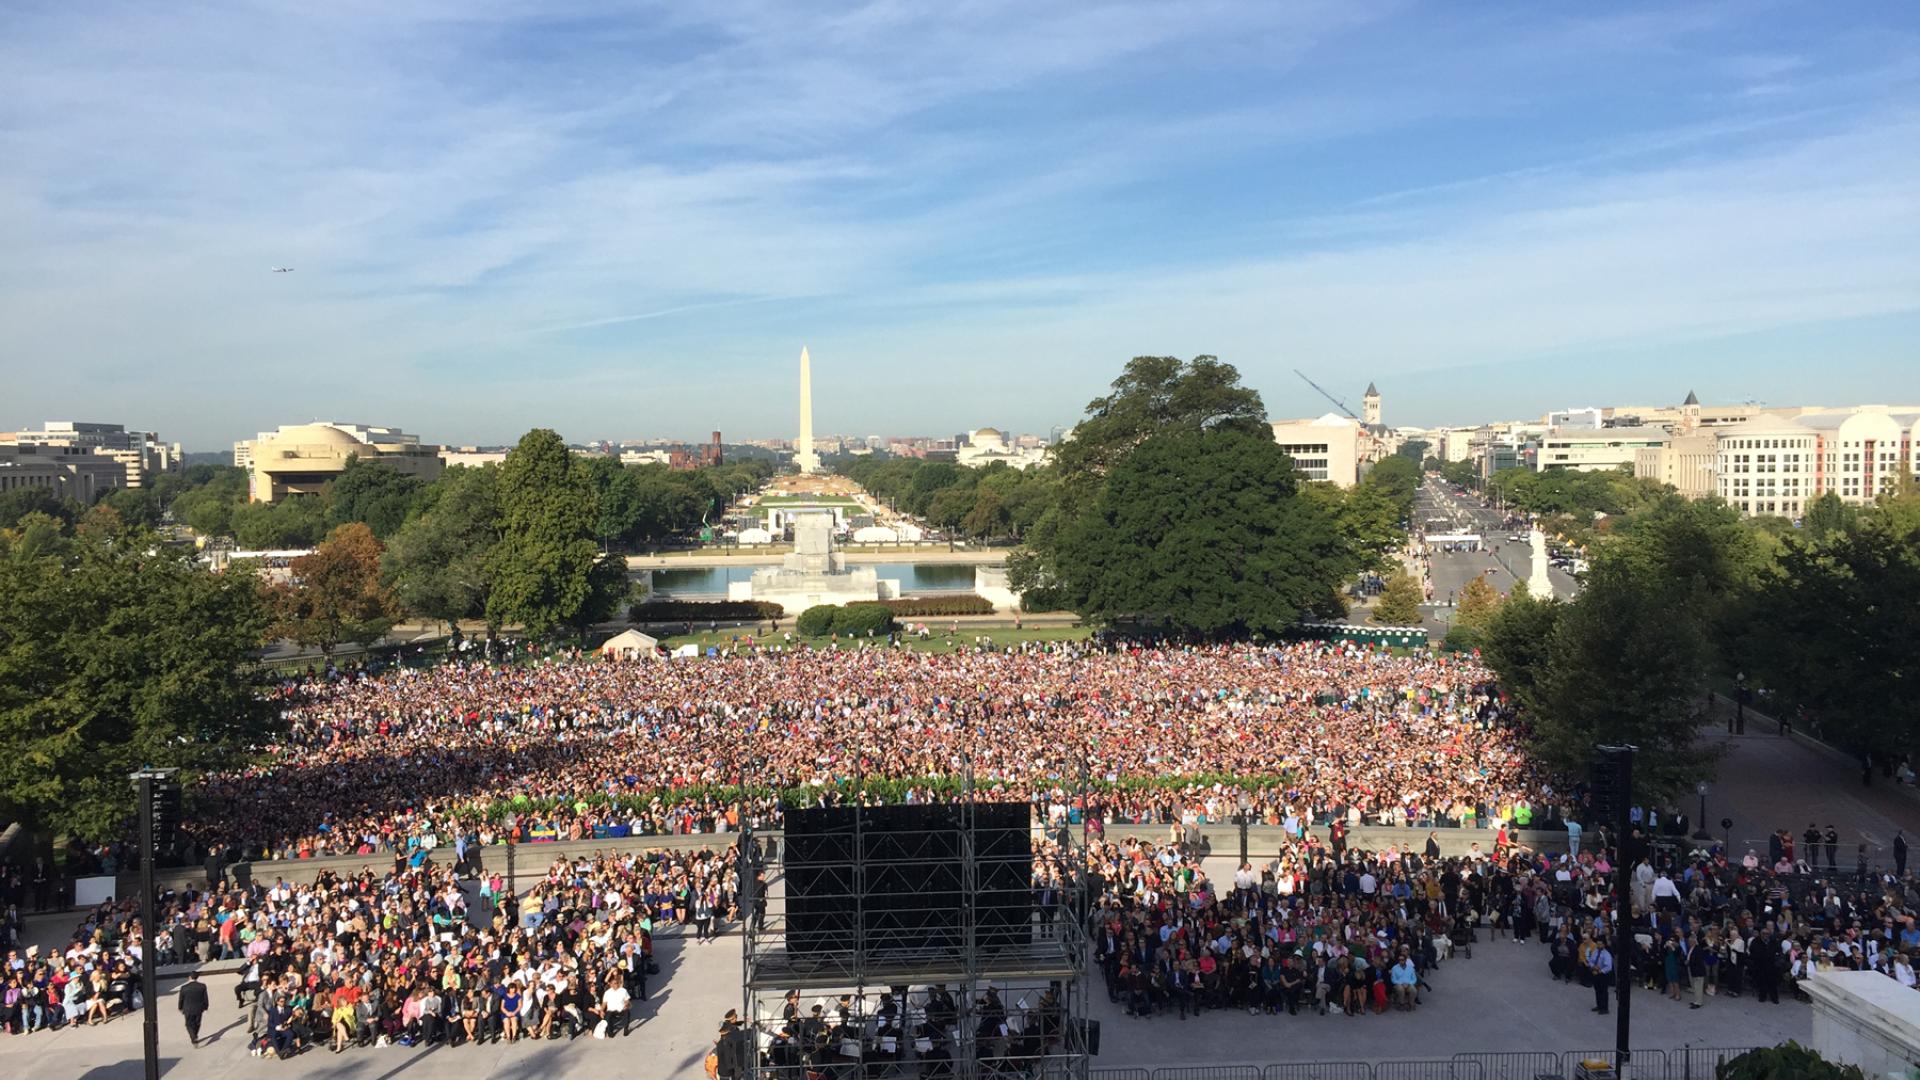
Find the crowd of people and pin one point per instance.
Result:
(415, 956)
(420, 758)
(1315, 928)
(417, 766)
(1705, 923)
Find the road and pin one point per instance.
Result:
(1506, 565)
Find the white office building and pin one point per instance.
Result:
(1596, 449)
(1778, 465)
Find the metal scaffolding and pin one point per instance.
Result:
(950, 981)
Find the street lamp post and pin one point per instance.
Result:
(1740, 703)
(513, 826)
(1700, 831)
(1246, 808)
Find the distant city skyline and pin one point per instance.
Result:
(496, 215)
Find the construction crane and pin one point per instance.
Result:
(1324, 394)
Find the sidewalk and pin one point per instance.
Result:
(1766, 782)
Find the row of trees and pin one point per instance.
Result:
(1683, 594)
(994, 502)
(118, 649)
(638, 505)
(521, 544)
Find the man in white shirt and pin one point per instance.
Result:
(618, 1004)
(1666, 895)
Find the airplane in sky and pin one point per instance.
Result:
(283, 269)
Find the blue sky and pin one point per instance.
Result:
(624, 220)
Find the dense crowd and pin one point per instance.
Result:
(402, 958)
(1706, 924)
(1315, 928)
(420, 758)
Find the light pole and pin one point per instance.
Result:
(159, 799)
(1246, 807)
(1740, 703)
(513, 826)
(1700, 831)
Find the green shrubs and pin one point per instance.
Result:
(864, 620)
(698, 611)
(817, 621)
(853, 620)
(1788, 1061)
(922, 607)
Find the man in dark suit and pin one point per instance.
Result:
(193, 1005)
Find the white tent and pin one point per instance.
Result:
(686, 652)
(631, 645)
(755, 536)
(909, 531)
(875, 534)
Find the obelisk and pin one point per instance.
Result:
(1539, 586)
(804, 456)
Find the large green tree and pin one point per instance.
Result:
(372, 492)
(1154, 395)
(436, 564)
(1832, 631)
(1624, 665)
(1399, 603)
(296, 521)
(118, 652)
(1203, 531)
(547, 573)
(335, 595)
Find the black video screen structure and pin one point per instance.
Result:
(890, 882)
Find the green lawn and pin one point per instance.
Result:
(939, 642)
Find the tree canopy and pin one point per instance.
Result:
(373, 493)
(547, 572)
(117, 652)
(335, 594)
(1203, 532)
(1399, 603)
(436, 564)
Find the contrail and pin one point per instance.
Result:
(615, 320)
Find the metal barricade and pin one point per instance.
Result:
(1119, 1073)
(1208, 1072)
(1320, 1070)
(1643, 1065)
(1699, 1062)
(1516, 1065)
(1437, 1069)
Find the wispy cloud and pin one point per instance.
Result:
(982, 195)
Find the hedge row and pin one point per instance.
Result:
(886, 789)
(704, 610)
(924, 606)
(854, 620)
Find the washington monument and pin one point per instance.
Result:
(804, 456)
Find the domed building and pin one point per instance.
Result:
(300, 459)
(988, 445)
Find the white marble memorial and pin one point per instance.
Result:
(1864, 1018)
(1539, 585)
(814, 573)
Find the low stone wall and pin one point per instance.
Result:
(532, 858)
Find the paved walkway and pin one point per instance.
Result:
(1500, 1000)
(1766, 781)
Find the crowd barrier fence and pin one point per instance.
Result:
(1689, 1063)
